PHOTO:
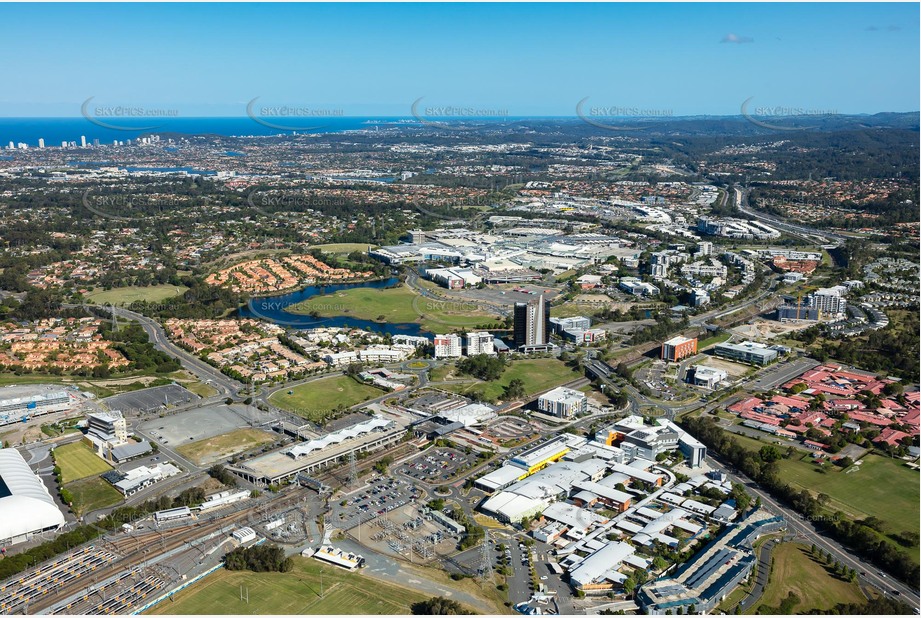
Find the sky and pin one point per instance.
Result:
(485, 59)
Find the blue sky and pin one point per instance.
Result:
(523, 59)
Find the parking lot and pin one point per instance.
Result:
(382, 495)
(436, 465)
(150, 399)
(195, 424)
(779, 373)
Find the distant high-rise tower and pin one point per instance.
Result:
(532, 322)
(41, 142)
(82, 141)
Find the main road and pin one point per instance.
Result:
(741, 199)
(205, 372)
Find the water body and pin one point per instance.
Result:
(382, 180)
(56, 130)
(272, 309)
(170, 170)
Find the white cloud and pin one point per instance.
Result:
(735, 38)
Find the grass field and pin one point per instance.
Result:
(703, 343)
(127, 295)
(92, 493)
(295, 592)
(570, 309)
(78, 461)
(794, 570)
(221, 447)
(881, 487)
(199, 388)
(315, 400)
(538, 374)
(342, 247)
(399, 304)
(439, 374)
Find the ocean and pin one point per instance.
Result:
(56, 130)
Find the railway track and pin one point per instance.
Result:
(127, 555)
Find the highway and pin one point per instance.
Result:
(810, 234)
(205, 372)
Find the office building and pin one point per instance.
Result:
(710, 377)
(447, 346)
(532, 323)
(746, 352)
(678, 347)
(107, 427)
(704, 248)
(563, 402)
(480, 343)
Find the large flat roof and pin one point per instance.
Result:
(27, 507)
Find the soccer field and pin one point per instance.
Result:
(295, 592)
(78, 461)
(315, 400)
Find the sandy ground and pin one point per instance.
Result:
(768, 329)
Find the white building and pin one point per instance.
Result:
(107, 427)
(480, 343)
(700, 297)
(26, 507)
(244, 535)
(447, 346)
(710, 377)
(563, 402)
(410, 340)
(828, 300)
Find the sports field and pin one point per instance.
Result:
(315, 400)
(130, 294)
(399, 304)
(77, 461)
(538, 374)
(295, 592)
(794, 570)
(223, 446)
(92, 493)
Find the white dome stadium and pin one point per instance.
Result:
(26, 506)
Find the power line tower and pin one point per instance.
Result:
(485, 559)
(353, 470)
